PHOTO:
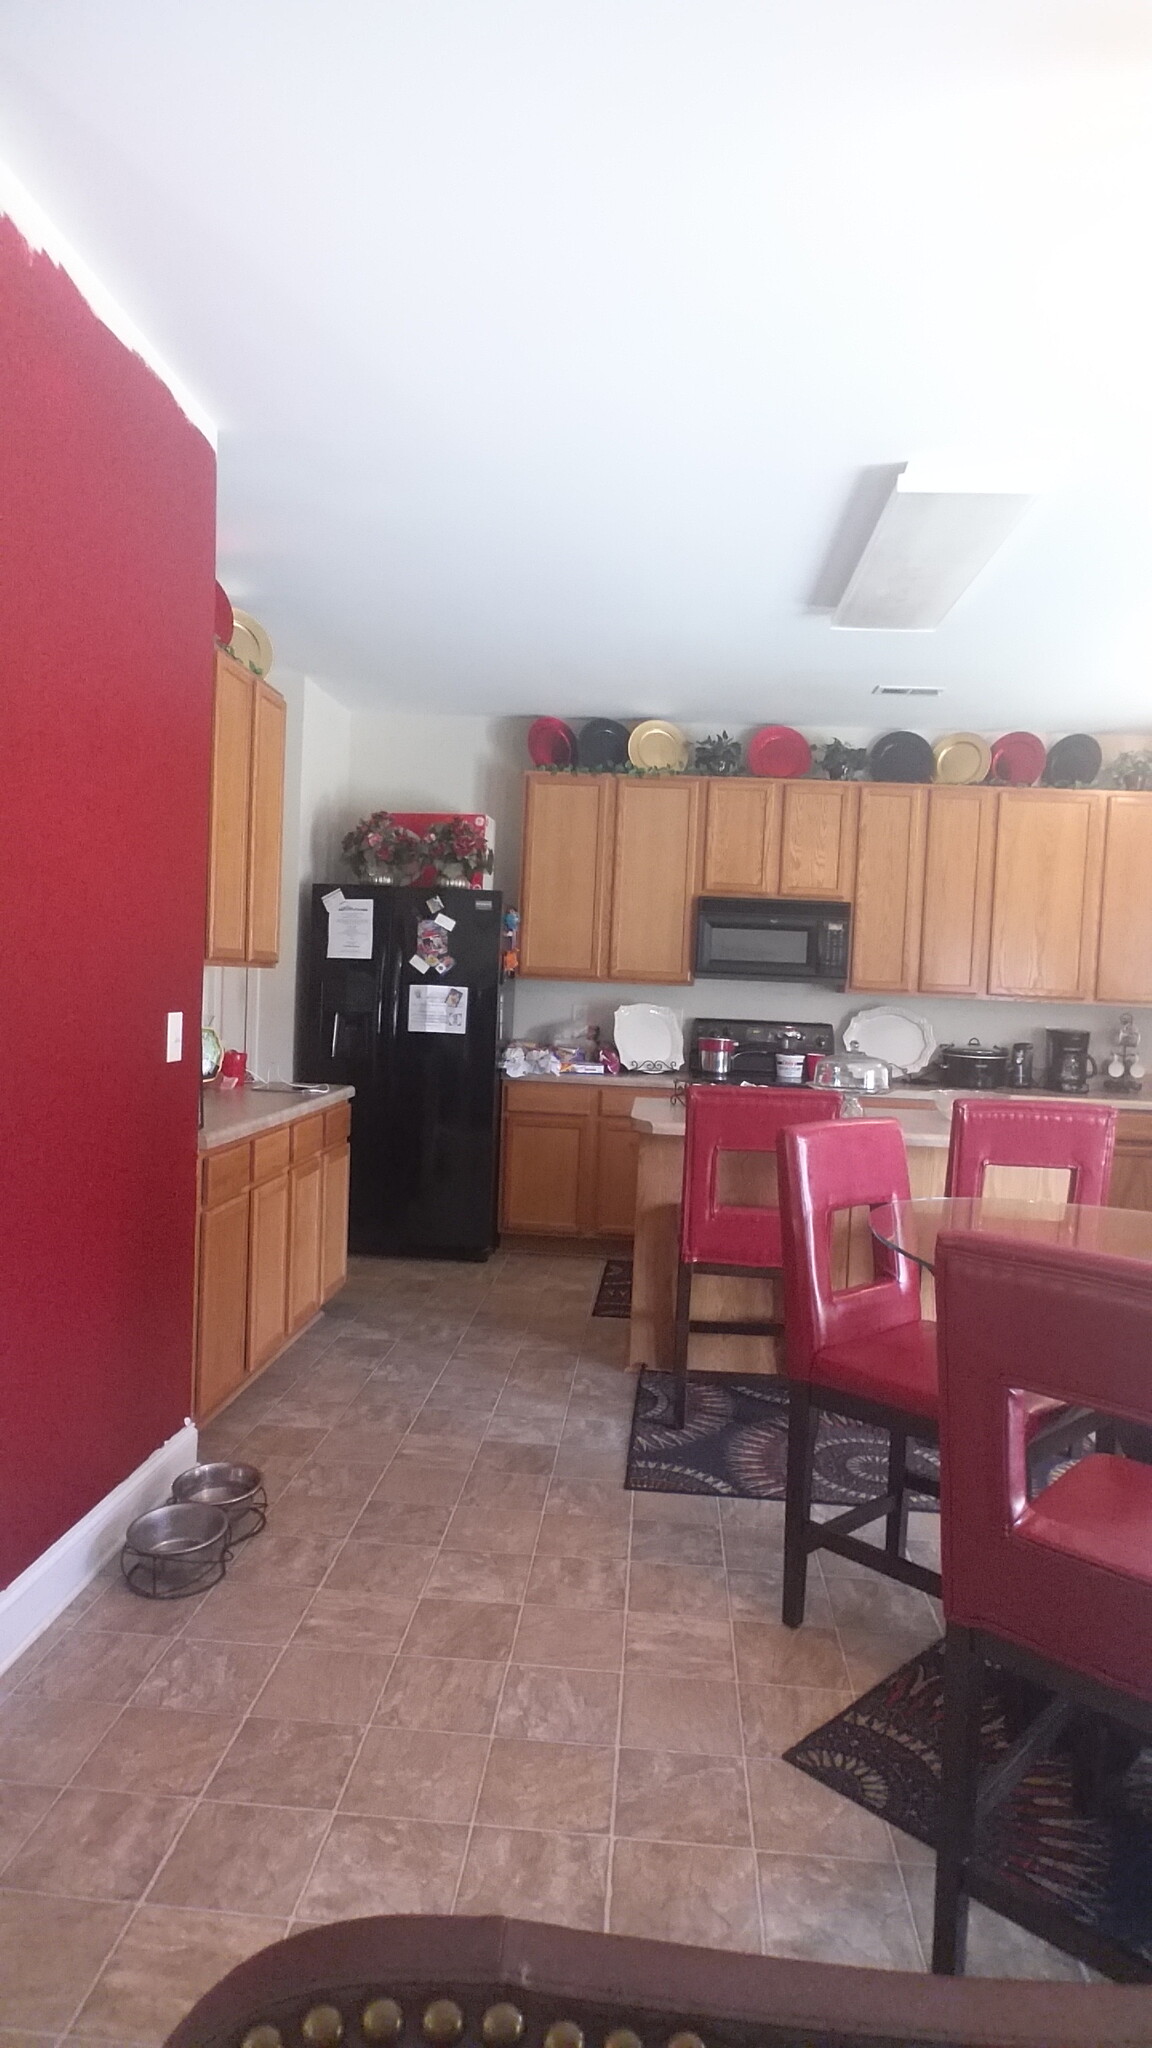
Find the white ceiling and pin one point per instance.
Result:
(549, 338)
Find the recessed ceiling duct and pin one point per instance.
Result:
(929, 540)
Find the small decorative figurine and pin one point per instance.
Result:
(1124, 1073)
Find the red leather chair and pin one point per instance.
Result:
(860, 1350)
(717, 1237)
(1076, 1135)
(1057, 1589)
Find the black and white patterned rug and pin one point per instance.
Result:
(735, 1442)
(883, 1753)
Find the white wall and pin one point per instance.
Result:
(546, 1011)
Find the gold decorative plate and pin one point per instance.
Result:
(962, 757)
(656, 744)
(250, 642)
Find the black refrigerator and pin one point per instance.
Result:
(400, 997)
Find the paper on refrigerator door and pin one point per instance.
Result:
(350, 928)
(440, 1010)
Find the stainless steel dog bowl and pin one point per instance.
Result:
(237, 1489)
(175, 1550)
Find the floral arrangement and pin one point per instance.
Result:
(381, 849)
(1132, 770)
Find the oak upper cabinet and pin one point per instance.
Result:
(956, 915)
(229, 812)
(1046, 894)
(656, 875)
(818, 839)
(568, 835)
(889, 886)
(266, 825)
(742, 838)
(246, 818)
(1124, 966)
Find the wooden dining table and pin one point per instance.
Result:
(913, 1227)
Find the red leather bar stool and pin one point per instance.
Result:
(1056, 1590)
(863, 1351)
(726, 1238)
(1078, 1136)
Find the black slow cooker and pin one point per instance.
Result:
(973, 1065)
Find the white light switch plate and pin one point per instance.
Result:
(175, 1034)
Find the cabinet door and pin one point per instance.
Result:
(546, 1173)
(566, 876)
(1131, 1185)
(222, 1318)
(742, 838)
(334, 1222)
(226, 937)
(266, 826)
(267, 1271)
(889, 886)
(818, 839)
(957, 911)
(617, 1159)
(1124, 967)
(655, 879)
(1046, 894)
(306, 1195)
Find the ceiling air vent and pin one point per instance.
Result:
(906, 690)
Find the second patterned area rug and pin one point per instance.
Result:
(735, 1443)
(883, 1753)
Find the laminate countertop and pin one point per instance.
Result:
(233, 1114)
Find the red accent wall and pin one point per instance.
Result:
(107, 511)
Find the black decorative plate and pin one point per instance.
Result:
(902, 757)
(603, 743)
(1073, 760)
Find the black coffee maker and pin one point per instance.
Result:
(1070, 1064)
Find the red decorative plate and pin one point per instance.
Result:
(224, 618)
(551, 743)
(779, 750)
(1018, 758)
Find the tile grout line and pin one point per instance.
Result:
(508, 1662)
(743, 1738)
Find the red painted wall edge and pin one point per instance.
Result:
(107, 504)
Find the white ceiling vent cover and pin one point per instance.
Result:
(928, 544)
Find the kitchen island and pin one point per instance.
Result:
(925, 1118)
(272, 1242)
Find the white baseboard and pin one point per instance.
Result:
(54, 1579)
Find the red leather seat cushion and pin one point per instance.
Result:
(1100, 1511)
(897, 1367)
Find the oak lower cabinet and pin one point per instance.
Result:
(569, 1159)
(1046, 894)
(273, 1233)
(1131, 1183)
(246, 818)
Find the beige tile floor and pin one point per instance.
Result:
(462, 1670)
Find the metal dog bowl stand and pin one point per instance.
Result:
(237, 1489)
(174, 1551)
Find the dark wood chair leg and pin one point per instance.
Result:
(959, 1782)
(803, 1422)
(896, 1522)
(680, 1345)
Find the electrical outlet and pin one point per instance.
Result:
(175, 1035)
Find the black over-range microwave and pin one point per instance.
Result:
(757, 938)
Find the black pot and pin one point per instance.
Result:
(973, 1065)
